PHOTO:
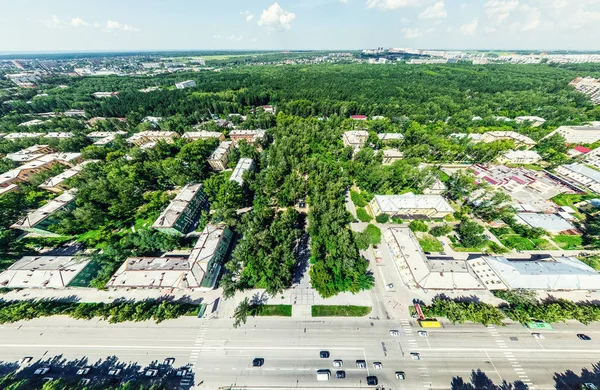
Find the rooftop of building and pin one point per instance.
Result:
(583, 170)
(43, 272)
(221, 150)
(178, 205)
(242, 166)
(394, 203)
(39, 215)
(548, 222)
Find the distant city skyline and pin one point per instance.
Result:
(72, 26)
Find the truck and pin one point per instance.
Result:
(323, 375)
(430, 323)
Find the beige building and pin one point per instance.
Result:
(250, 136)
(57, 184)
(390, 156)
(9, 180)
(578, 134)
(220, 157)
(146, 137)
(520, 157)
(29, 154)
(520, 140)
(198, 135)
(411, 206)
(355, 139)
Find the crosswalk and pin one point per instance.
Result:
(521, 374)
(413, 346)
(186, 381)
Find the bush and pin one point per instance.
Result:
(418, 226)
(382, 218)
(340, 311)
(397, 220)
(357, 199)
(363, 215)
(441, 230)
(459, 312)
(374, 234)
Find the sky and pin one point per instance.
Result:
(119, 25)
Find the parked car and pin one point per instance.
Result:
(151, 372)
(258, 362)
(324, 354)
(340, 374)
(400, 375)
(372, 380)
(83, 371)
(389, 286)
(41, 371)
(377, 365)
(169, 361)
(361, 364)
(338, 363)
(182, 372)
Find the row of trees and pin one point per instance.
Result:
(113, 312)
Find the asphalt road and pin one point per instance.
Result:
(222, 356)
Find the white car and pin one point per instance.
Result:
(377, 365)
(394, 333)
(415, 356)
(338, 363)
(151, 372)
(41, 371)
(423, 333)
(538, 336)
(389, 286)
(400, 375)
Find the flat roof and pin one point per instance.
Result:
(242, 166)
(548, 222)
(388, 136)
(178, 205)
(551, 273)
(43, 272)
(394, 203)
(583, 170)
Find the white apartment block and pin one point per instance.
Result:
(520, 157)
(593, 158)
(355, 139)
(220, 157)
(185, 84)
(145, 137)
(578, 134)
(588, 86)
(581, 175)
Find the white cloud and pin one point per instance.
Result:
(411, 33)
(489, 30)
(217, 36)
(235, 38)
(53, 22)
(78, 22)
(113, 26)
(435, 11)
(534, 20)
(344, 1)
(275, 18)
(404, 21)
(469, 28)
(248, 15)
(392, 4)
(498, 10)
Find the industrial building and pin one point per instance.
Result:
(181, 214)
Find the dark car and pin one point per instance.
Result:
(361, 364)
(372, 381)
(324, 354)
(340, 374)
(258, 362)
(584, 337)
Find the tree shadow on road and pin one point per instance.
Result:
(569, 380)
(480, 381)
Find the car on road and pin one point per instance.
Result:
(323, 375)
(324, 354)
(584, 337)
(258, 362)
(372, 380)
(114, 372)
(415, 356)
(400, 375)
(41, 371)
(538, 336)
(83, 371)
(169, 361)
(26, 360)
(377, 365)
(423, 333)
(394, 333)
(338, 363)
(151, 372)
(389, 286)
(361, 364)
(340, 374)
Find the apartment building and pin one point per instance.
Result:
(146, 137)
(243, 165)
(520, 157)
(581, 175)
(104, 95)
(578, 134)
(385, 137)
(198, 135)
(181, 214)
(38, 221)
(355, 139)
(58, 183)
(29, 154)
(251, 136)
(220, 157)
(16, 136)
(535, 121)
(520, 140)
(390, 156)
(411, 206)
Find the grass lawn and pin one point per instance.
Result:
(571, 199)
(272, 310)
(430, 244)
(145, 223)
(569, 242)
(340, 311)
